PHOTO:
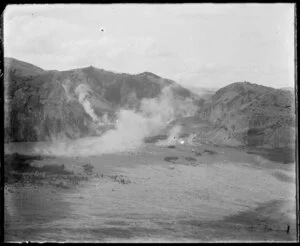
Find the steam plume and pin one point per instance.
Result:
(131, 128)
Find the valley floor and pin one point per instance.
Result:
(157, 194)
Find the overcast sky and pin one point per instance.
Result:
(207, 45)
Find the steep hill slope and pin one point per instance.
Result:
(40, 104)
(21, 68)
(249, 114)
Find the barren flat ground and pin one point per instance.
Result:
(177, 193)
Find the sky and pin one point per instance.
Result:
(203, 45)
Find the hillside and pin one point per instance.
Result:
(41, 104)
(44, 104)
(249, 115)
(21, 68)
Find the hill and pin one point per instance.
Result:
(248, 114)
(43, 104)
(21, 68)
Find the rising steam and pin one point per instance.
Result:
(173, 137)
(131, 128)
(83, 92)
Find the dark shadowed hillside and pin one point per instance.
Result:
(42, 104)
(249, 114)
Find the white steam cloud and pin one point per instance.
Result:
(173, 137)
(83, 92)
(131, 128)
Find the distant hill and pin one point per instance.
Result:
(41, 104)
(205, 93)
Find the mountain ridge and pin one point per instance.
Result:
(72, 102)
(41, 104)
(9, 60)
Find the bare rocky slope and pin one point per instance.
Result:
(248, 114)
(41, 104)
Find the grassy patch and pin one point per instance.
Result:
(88, 168)
(210, 152)
(120, 179)
(171, 158)
(19, 168)
(190, 159)
(171, 146)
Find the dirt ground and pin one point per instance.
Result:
(157, 194)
